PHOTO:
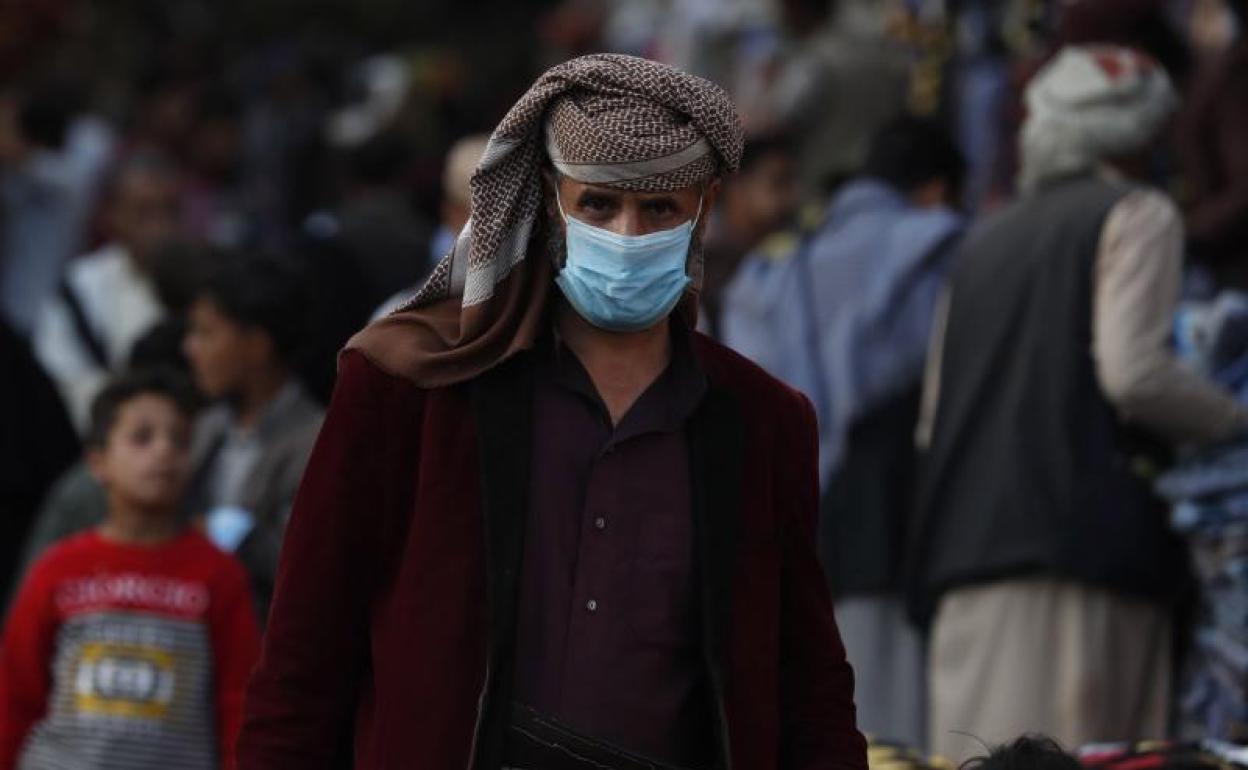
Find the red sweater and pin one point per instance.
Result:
(126, 656)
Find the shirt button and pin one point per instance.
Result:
(600, 523)
(592, 605)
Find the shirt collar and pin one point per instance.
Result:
(274, 415)
(664, 406)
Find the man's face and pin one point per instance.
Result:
(634, 213)
(222, 352)
(145, 212)
(146, 458)
(766, 196)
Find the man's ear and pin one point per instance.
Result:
(710, 196)
(712, 193)
(550, 188)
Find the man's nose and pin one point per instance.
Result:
(627, 222)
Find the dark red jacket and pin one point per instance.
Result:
(390, 634)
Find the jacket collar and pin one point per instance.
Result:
(502, 405)
(716, 448)
(290, 406)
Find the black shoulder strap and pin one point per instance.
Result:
(90, 341)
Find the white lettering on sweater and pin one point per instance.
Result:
(182, 597)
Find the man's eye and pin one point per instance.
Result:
(661, 208)
(595, 203)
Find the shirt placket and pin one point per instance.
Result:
(595, 598)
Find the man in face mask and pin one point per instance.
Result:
(547, 525)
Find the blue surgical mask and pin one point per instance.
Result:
(624, 283)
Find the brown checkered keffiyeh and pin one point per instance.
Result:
(607, 119)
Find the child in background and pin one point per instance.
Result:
(248, 323)
(129, 646)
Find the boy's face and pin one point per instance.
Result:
(222, 352)
(146, 457)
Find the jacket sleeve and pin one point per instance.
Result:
(25, 663)
(1138, 278)
(818, 717)
(301, 701)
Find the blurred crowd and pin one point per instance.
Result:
(231, 190)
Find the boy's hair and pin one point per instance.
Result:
(124, 388)
(1029, 752)
(910, 151)
(263, 291)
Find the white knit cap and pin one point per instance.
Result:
(1090, 103)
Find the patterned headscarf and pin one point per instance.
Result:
(606, 119)
(1091, 103)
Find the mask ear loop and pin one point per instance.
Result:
(559, 203)
(694, 227)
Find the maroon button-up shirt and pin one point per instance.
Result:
(607, 633)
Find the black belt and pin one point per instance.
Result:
(537, 742)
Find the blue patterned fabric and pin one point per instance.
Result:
(1209, 493)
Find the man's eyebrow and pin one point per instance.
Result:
(603, 192)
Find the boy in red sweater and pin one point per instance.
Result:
(129, 646)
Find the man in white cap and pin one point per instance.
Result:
(1040, 557)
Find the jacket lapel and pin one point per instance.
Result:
(716, 445)
(502, 402)
(503, 407)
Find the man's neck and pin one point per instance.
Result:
(131, 524)
(621, 366)
(257, 394)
